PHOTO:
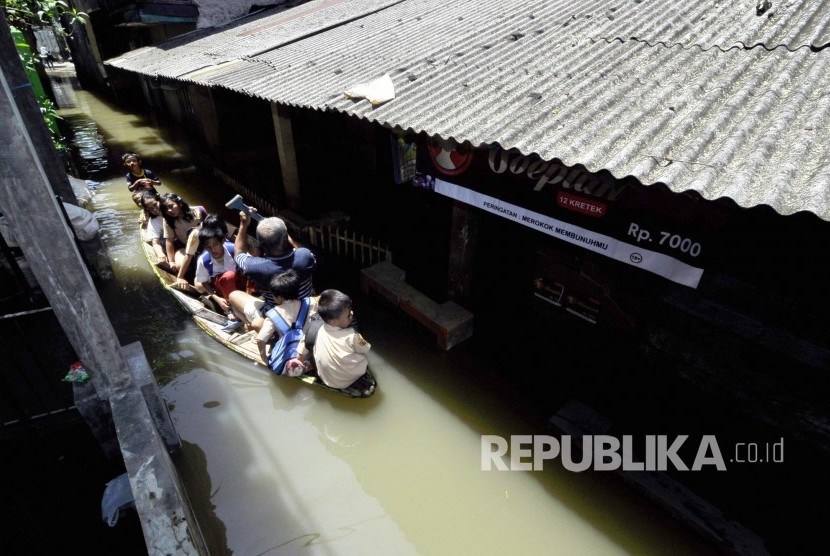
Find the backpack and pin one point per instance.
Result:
(208, 262)
(286, 347)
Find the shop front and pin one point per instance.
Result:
(597, 244)
(598, 271)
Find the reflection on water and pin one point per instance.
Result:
(89, 145)
(273, 466)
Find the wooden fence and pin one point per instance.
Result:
(349, 245)
(34, 351)
(335, 240)
(251, 197)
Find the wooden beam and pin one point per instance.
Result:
(288, 156)
(463, 237)
(27, 201)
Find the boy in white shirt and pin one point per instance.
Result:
(339, 350)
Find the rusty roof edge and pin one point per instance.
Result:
(739, 45)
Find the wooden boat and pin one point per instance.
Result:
(243, 343)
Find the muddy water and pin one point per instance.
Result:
(275, 467)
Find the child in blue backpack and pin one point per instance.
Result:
(216, 274)
(285, 287)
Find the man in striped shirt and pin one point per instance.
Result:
(277, 253)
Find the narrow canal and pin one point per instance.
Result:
(274, 467)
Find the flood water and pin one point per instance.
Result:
(273, 466)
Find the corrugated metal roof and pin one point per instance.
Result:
(711, 97)
(244, 38)
(721, 24)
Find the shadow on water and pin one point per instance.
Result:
(639, 399)
(500, 395)
(201, 491)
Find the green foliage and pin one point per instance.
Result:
(47, 110)
(28, 14)
(25, 52)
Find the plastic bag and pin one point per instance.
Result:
(83, 222)
(81, 189)
(76, 373)
(118, 496)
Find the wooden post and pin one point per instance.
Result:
(26, 199)
(288, 157)
(463, 236)
(32, 120)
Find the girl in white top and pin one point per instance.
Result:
(154, 226)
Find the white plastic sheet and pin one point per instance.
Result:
(377, 91)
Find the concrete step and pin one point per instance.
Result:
(451, 323)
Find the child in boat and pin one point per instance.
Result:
(180, 219)
(137, 177)
(339, 351)
(216, 274)
(142, 220)
(285, 287)
(150, 201)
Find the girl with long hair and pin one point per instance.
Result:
(181, 244)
